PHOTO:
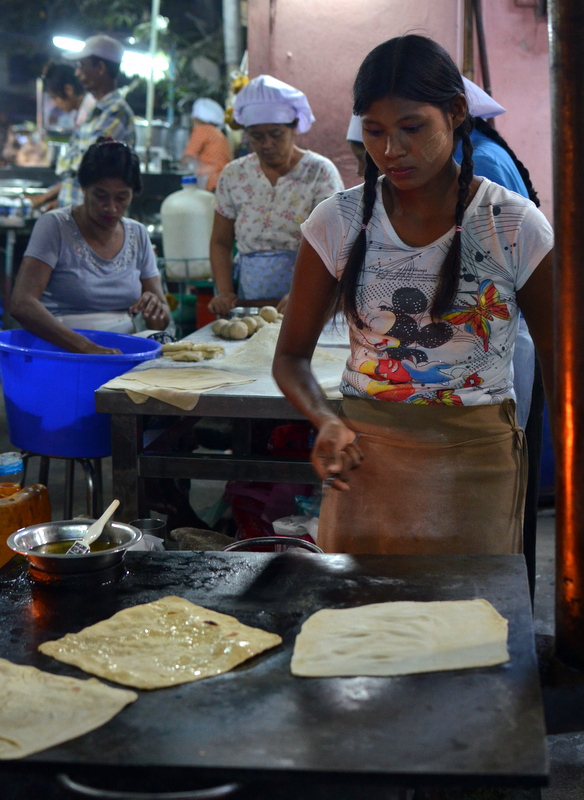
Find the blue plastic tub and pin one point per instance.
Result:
(49, 393)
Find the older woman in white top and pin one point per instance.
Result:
(263, 198)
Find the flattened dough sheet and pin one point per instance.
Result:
(39, 710)
(400, 638)
(163, 643)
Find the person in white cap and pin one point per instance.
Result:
(262, 198)
(355, 142)
(97, 67)
(495, 160)
(208, 145)
(492, 156)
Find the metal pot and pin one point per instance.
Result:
(160, 133)
(178, 141)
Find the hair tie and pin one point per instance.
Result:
(364, 227)
(459, 229)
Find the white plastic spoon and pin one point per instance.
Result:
(81, 546)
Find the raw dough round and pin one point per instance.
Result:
(237, 330)
(251, 324)
(218, 326)
(269, 313)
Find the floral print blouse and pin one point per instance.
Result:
(269, 217)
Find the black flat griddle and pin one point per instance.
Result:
(258, 722)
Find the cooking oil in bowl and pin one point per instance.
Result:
(60, 548)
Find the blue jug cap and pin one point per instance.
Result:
(11, 463)
(188, 179)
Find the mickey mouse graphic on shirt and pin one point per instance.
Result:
(391, 331)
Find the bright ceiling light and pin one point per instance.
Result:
(134, 63)
(64, 43)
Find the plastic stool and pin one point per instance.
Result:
(93, 481)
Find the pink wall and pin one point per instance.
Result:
(517, 42)
(317, 45)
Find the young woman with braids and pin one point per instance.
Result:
(430, 265)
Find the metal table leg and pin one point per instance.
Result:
(68, 499)
(8, 267)
(127, 438)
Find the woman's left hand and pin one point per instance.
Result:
(153, 309)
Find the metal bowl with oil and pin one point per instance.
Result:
(45, 545)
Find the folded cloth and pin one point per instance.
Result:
(148, 543)
(178, 387)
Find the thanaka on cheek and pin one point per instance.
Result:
(434, 146)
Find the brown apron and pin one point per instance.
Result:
(434, 479)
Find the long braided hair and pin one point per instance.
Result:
(413, 68)
(483, 127)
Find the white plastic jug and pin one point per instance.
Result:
(187, 222)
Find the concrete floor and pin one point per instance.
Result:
(566, 750)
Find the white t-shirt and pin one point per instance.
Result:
(398, 354)
(268, 217)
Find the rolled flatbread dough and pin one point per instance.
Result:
(400, 638)
(181, 387)
(196, 380)
(187, 355)
(39, 710)
(163, 643)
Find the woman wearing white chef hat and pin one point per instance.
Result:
(263, 197)
(355, 140)
(208, 146)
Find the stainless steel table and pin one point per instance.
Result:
(133, 460)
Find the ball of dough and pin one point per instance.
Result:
(251, 324)
(218, 326)
(237, 330)
(269, 313)
(260, 322)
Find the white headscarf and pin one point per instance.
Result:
(266, 100)
(208, 110)
(354, 134)
(480, 104)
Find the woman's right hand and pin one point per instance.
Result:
(92, 349)
(223, 303)
(335, 452)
